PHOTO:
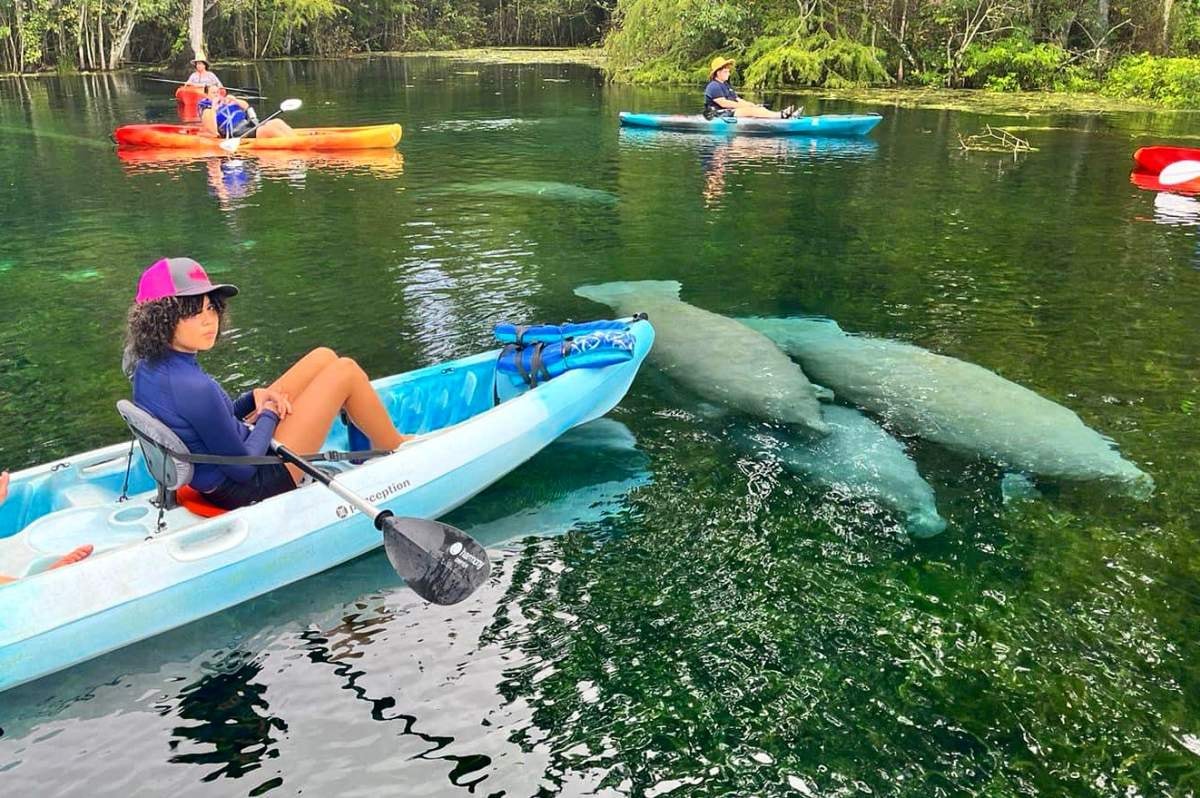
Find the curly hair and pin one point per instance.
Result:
(151, 325)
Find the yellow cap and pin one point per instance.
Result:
(718, 63)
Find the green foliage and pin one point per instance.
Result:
(817, 60)
(1015, 63)
(1173, 82)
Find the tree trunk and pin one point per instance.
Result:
(121, 42)
(1101, 17)
(196, 27)
(1166, 33)
(20, 37)
(100, 38)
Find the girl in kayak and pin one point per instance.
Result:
(202, 77)
(721, 100)
(74, 557)
(178, 313)
(225, 116)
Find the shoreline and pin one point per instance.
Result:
(969, 100)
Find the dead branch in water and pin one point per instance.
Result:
(995, 139)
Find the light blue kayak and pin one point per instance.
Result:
(824, 125)
(140, 582)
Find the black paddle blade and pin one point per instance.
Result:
(441, 564)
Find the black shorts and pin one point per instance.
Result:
(246, 129)
(268, 481)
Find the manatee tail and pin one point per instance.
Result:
(925, 523)
(1139, 485)
(612, 294)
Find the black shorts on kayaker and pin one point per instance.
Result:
(246, 130)
(268, 481)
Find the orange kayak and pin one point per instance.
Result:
(183, 137)
(189, 94)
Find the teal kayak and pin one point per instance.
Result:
(824, 125)
(473, 425)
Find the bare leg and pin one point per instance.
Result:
(296, 379)
(340, 384)
(3, 486)
(755, 111)
(273, 129)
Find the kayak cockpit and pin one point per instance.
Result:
(54, 508)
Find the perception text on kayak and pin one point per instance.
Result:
(344, 510)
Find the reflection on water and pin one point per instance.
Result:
(719, 629)
(1173, 209)
(724, 156)
(231, 179)
(232, 726)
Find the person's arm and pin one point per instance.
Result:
(203, 405)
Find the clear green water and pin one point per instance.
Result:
(714, 626)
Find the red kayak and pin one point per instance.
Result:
(1155, 159)
(1150, 182)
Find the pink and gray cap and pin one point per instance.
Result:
(179, 277)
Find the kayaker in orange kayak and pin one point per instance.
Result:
(721, 100)
(224, 116)
(202, 77)
(75, 556)
(177, 314)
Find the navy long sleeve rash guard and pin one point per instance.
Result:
(177, 392)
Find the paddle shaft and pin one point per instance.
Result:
(376, 514)
(231, 145)
(245, 90)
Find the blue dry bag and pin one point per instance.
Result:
(546, 351)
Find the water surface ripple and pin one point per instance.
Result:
(673, 613)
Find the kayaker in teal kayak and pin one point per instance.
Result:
(202, 76)
(721, 100)
(178, 313)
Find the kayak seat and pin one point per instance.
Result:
(158, 441)
(193, 500)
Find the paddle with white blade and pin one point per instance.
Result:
(441, 564)
(1179, 172)
(231, 145)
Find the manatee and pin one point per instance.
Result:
(858, 459)
(538, 189)
(954, 403)
(714, 356)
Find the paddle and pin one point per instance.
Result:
(1179, 172)
(441, 564)
(246, 90)
(231, 145)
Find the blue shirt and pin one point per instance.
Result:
(717, 89)
(177, 392)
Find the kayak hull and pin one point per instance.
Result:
(1149, 181)
(192, 138)
(139, 582)
(824, 125)
(1155, 159)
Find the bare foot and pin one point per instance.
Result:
(73, 557)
